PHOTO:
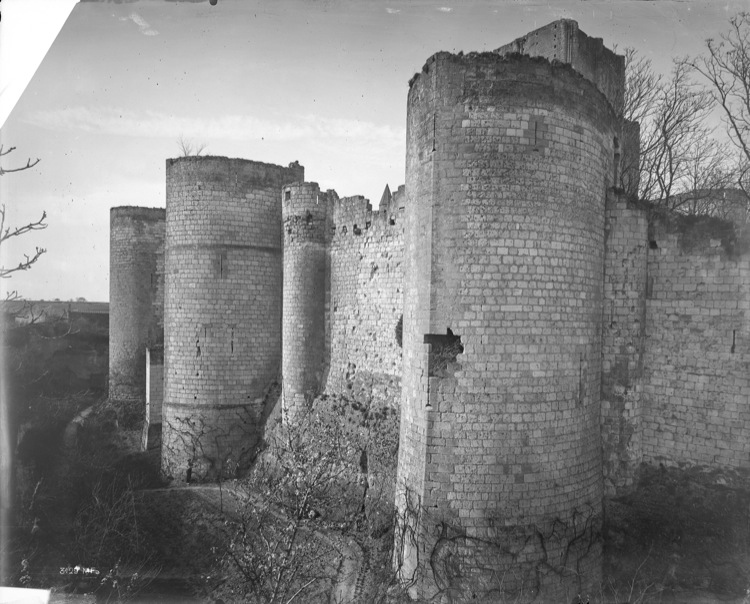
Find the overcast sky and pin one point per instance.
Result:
(321, 82)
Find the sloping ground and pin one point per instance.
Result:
(682, 535)
(338, 559)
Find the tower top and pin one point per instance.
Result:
(563, 41)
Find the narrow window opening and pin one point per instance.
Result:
(434, 129)
(734, 340)
(357, 230)
(392, 221)
(308, 218)
(287, 195)
(223, 265)
(581, 382)
(653, 245)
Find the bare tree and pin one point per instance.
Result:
(726, 67)
(275, 553)
(681, 163)
(188, 148)
(9, 232)
(641, 87)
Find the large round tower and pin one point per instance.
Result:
(136, 300)
(508, 162)
(222, 309)
(305, 217)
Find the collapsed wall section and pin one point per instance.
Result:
(223, 310)
(499, 477)
(136, 300)
(696, 382)
(366, 299)
(305, 223)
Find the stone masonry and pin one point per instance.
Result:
(222, 309)
(542, 334)
(502, 325)
(136, 293)
(343, 296)
(304, 211)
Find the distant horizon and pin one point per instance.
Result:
(322, 83)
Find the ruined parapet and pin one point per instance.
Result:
(562, 41)
(500, 475)
(136, 295)
(366, 275)
(223, 309)
(305, 223)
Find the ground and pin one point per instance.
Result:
(682, 535)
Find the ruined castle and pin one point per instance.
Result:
(542, 334)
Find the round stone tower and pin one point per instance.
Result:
(136, 301)
(500, 484)
(222, 310)
(305, 217)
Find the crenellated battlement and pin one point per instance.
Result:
(354, 216)
(305, 213)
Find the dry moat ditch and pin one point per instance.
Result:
(321, 514)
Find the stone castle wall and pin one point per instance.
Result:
(136, 294)
(674, 382)
(343, 296)
(508, 161)
(366, 299)
(695, 380)
(223, 309)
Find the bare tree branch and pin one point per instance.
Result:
(8, 232)
(726, 68)
(29, 163)
(681, 165)
(188, 148)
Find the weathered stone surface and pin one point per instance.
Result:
(222, 311)
(544, 335)
(136, 296)
(508, 160)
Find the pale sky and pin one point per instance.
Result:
(322, 82)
